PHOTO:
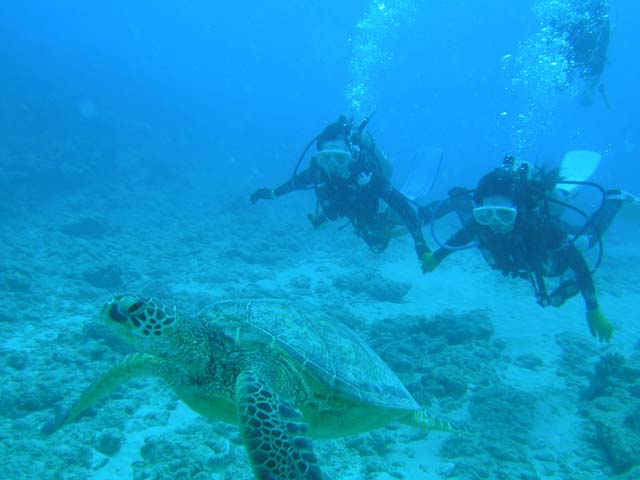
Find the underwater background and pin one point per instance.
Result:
(133, 133)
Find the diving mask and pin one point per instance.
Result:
(500, 219)
(334, 162)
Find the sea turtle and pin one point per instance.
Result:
(282, 374)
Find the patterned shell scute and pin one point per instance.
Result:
(330, 350)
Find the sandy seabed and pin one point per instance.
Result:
(545, 399)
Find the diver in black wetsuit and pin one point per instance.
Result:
(349, 174)
(510, 217)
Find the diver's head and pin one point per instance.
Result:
(524, 183)
(498, 212)
(516, 189)
(334, 153)
(336, 131)
(503, 181)
(499, 195)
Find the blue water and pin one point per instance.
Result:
(133, 132)
(256, 80)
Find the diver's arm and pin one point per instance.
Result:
(401, 206)
(462, 237)
(302, 180)
(435, 210)
(598, 324)
(584, 279)
(458, 201)
(430, 261)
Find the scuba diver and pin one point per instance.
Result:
(514, 218)
(586, 29)
(350, 175)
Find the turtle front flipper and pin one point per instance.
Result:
(273, 432)
(131, 366)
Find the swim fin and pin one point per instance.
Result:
(423, 173)
(578, 166)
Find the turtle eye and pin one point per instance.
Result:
(135, 306)
(116, 314)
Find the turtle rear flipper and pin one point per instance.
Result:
(273, 432)
(423, 420)
(135, 365)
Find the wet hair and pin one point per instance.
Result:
(499, 182)
(549, 177)
(525, 187)
(334, 131)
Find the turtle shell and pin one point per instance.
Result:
(330, 350)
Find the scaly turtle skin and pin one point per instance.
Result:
(281, 375)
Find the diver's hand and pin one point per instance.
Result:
(599, 325)
(364, 179)
(429, 262)
(262, 194)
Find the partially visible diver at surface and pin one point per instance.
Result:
(513, 217)
(587, 31)
(350, 176)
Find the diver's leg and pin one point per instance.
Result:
(425, 212)
(458, 202)
(566, 290)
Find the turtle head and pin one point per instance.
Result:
(135, 318)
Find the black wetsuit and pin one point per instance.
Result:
(359, 201)
(538, 247)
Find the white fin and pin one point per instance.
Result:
(578, 166)
(422, 173)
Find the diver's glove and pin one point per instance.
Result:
(262, 194)
(429, 262)
(317, 220)
(599, 325)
